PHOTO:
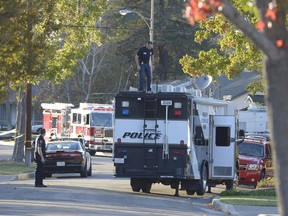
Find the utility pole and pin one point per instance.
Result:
(28, 138)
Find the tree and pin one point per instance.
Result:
(272, 39)
(40, 42)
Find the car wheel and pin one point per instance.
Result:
(84, 173)
(48, 175)
(203, 181)
(90, 170)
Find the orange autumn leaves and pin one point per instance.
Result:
(197, 10)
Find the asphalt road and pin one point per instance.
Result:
(100, 194)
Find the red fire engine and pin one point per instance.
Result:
(94, 123)
(56, 119)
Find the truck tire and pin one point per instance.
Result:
(203, 182)
(135, 184)
(229, 184)
(146, 188)
(190, 192)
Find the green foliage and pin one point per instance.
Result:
(260, 192)
(267, 182)
(40, 40)
(234, 53)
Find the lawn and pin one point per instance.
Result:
(10, 167)
(258, 197)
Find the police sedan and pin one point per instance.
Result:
(67, 157)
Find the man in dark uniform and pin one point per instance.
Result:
(40, 154)
(142, 59)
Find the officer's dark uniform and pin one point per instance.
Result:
(39, 172)
(144, 55)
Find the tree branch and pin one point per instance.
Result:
(259, 39)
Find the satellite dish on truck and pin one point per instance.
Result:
(203, 82)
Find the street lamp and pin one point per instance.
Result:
(126, 11)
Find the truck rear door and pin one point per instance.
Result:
(222, 150)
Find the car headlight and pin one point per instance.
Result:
(253, 167)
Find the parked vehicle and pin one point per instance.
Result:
(35, 129)
(67, 157)
(174, 138)
(255, 160)
(94, 122)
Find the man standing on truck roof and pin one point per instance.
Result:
(142, 59)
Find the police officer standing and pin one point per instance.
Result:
(142, 59)
(40, 154)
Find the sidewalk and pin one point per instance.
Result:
(6, 149)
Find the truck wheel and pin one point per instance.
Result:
(135, 184)
(146, 188)
(190, 192)
(229, 184)
(203, 182)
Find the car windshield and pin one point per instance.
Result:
(101, 119)
(250, 149)
(63, 146)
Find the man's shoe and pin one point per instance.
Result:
(40, 186)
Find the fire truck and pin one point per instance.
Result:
(56, 119)
(179, 139)
(94, 122)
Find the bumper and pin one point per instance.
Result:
(249, 177)
(101, 147)
(67, 168)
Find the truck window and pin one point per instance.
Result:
(86, 119)
(101, 119)
(74, 118)
(54, 122)
(222, 136)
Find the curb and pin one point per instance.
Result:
(22, 176)
(25, 176)
(228, 209)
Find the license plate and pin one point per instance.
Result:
(60, 163)
(119, 160)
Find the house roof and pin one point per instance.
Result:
(256, 99)
(237, 86)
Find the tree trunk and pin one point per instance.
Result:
(277, 103)
(18, 153)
